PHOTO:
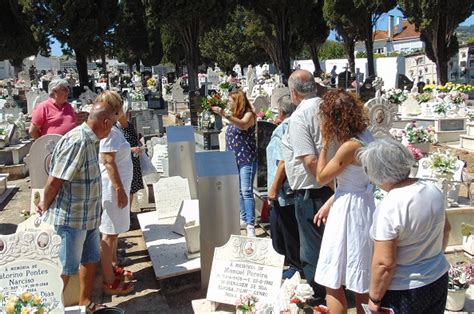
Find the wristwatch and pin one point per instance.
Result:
(375, 301)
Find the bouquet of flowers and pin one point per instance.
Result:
(420, 134)
(416, 152)
(461, 275)
(443, 163)
(211, 101)
(137, 96)
(457, 97)
(265, 114)
(449, 86)
(246, 304)
(396, 95)
(150, 82)
(440, 108)
(23, 302)
(301, 294)
(423, 97)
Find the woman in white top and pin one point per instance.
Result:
(410, 233)
(117, 172)
(346, 249)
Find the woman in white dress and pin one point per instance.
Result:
(346, 247)
(117, 173)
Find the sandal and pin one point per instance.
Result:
(118, 287)
(92, 307)
(123, 273)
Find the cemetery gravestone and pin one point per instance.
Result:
(264, 134)
(33, 98)
(279, 91)
(169, 193)
(261, 103)
(367, 90)
(345, 79)
(87, 97)
(245, 265)
(30, 261)
(382, 114)
(40, 158)
(218, 186)
(188, 212)
(404, 82)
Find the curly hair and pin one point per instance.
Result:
(343, 116)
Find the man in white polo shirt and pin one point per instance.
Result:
(301, 146)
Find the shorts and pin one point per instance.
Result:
(77, 247)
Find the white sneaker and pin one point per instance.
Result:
(250, 231)
(243, 225)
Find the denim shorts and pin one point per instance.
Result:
(77, 247)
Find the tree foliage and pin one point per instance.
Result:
(190, 19)
(78, 25)
(332, 50)
(230, 44)
(312, 29)
(437, 21)
(355, 20)
(17, 41)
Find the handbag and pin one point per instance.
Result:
(149, 171)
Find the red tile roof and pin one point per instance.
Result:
(408, 32)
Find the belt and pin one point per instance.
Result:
(315, 193)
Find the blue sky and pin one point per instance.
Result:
(381, 24)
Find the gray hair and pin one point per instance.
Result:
(57, 84)
(102, 110)
(285, 106)
(302, 82)
(386, 161)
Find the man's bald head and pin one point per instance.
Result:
(101, 111)
(302, 82)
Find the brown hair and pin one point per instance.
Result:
(343, 116)
(242, 104)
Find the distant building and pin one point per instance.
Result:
(402, 38)
(460, 67)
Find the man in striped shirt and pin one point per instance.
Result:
(72, 196)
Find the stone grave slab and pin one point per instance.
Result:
(188, 212)
(277, 92)
(40, 158)
(261, 103)
(169, 193)
(30, 261)
(245, 265)
(167, 249)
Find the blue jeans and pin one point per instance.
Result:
(77, 247)
(311, 235)
(247, 202)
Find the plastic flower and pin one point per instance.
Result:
(416, 152)
(10, 308)
(443, 163)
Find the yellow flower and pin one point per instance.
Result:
(10, 308)
(26, 296)
(25, 310)
(36, 300)
(40, 311)
(13, 299)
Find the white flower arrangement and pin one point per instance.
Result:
(396, 95)
(443, 163)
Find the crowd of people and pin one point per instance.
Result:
(323, 163)
(94, 173)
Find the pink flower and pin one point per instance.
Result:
(416, 152)
(260, 115)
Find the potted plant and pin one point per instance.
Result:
(208, 119)
(443, 164)
(419, 137)
(417, 154)
(460, 276)
(440, 109)
(396, 96)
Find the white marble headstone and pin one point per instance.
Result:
(188, 212)
(382, 114)
(261, 103)
(87, 96)
(410, 107)
(245, 265)
(169, 193)
(277, 92)
(30, 261)
(40, 157)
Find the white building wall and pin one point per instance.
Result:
(407, 45)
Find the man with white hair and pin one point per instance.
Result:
(54, 115)
(301, 145)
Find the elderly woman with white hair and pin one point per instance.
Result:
(410, 233)
(54, 115)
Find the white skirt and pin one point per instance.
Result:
(346, 250)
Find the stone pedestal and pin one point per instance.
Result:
(207, 139)
(467, 141)
(448, 129)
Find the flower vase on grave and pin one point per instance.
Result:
(423, 147)
(456, 299)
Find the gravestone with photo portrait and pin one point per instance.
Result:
(40, 158)
(29, 262)
(245, 265)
